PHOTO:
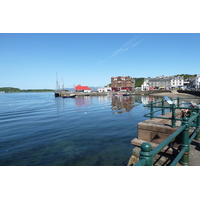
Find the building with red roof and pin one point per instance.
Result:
(80, 88)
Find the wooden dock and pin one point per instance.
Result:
(78, 94)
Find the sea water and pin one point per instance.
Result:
(38, 129)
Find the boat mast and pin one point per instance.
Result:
(57, 85)
(63, 84)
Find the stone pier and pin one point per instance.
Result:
(155, 131)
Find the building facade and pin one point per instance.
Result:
(196, 82)
(121, 83)
(162, 82)
(145, 85)
(104, 89)
(80, 88)
(177, 82)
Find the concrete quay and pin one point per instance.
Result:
(79, 94)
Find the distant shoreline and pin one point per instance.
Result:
(25, 92)
(17, 90)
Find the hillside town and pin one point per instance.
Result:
(127, 84)
(171, 82)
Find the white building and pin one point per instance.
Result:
(196, 82)
(162, 82)
(105, 89)
(177, 82)
(145, 85)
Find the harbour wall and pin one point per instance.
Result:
(155, 131)
(196, 93)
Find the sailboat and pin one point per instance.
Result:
(57, 93)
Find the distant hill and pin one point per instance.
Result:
(9, 89)
(94, 88)
(139, 82)
(186, 76)
(12, 90)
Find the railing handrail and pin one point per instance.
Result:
(172, 107)
(174, 99)
(146, 154)
(167, 141)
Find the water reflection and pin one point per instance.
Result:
(118, 104)
(83, 101)
(147, 99)
(121, 104)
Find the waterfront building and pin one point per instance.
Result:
(80, 88)
(163, 82)
(121, 83)
(196, 82)
(160, 82)
(104, 89)
(190, 83)
(145, 85)
(177, 81)
(186, 83)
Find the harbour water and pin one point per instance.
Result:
(38, 129)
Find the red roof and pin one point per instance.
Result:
(79, 87)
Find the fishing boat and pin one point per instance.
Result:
(118, 94)
(123, 94)
(69, 96)
(126, 94)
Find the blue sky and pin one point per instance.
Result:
(31, 60)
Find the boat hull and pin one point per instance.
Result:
(71, 96)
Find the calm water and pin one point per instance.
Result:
(39, 129)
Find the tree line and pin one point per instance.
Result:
(14, 90)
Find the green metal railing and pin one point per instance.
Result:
(147, 154)
(162, 105)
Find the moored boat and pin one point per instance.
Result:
(69, 96)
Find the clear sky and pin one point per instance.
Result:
(31, 60)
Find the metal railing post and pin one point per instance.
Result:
(178, 101)
(197, 126)
(145, 153)
(173, 106)
(151, 110)
(185, 143)
(163, 109)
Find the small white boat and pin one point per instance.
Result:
(69, 96)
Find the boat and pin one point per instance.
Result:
(57, 94)
(69, 96)
(118, 94)
(128, 94)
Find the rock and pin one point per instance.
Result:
(133, 159)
